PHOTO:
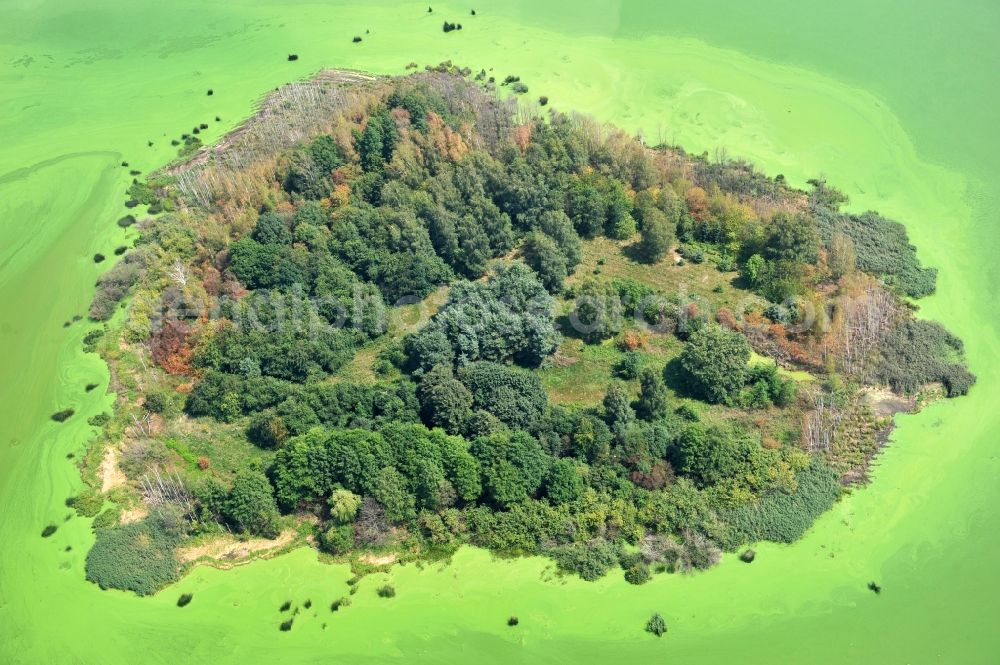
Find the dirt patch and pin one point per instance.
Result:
(562, 360)
(884, 402)
(229, 548)
(111, 475)
(134, 515)
(378, 559)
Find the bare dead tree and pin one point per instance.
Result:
(141, 427)
(160, 490)
(820, 423)
(284, 118)
(178, 273)
(372, 528)
(868, 318)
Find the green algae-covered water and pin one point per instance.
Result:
(895, 105)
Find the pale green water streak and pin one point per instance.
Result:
(869, 95)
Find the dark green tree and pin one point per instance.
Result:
(513, 466)
(591, 439)
(542, 253)
(713, 363)
(792, 238)
(652, 402)
(556, 225)
(563, 484)
(376, 143)
(271, 229)
(657, 235)
(444, 401)
(250, 506)
(513, 395)
(598, 312)
(618, 411)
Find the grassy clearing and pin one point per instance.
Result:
(579, 373)
(701, 279)
(402, 320)
(797, 375)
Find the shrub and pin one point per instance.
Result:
(688, 413)
(386, 591)
(591, 561)
(136, 557)
(49, 530)
(356, 39)
(286, 625)
(783, 517)
(91, 338)
(185, 599)
(692, 254)
(87, 503)
(748, 555)
(62, 416)
(656, 625)
(267, 430)
(882, 248)
(114, 284)
(917, 352)
(100, 419)
(337, 540)
(340, 602)
(543, 100)
(629, 366)
(98, 258)
(292, 57)
(513, 621)
(344, 506)
(285, 606)
(107, 519)
(155, 402)
(638, 574)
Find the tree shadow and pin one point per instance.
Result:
(633, 252)
(673, 377)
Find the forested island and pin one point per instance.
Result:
(390, 316)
